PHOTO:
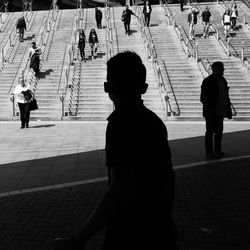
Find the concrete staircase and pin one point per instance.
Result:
(236, 75)
(51, 80)
(16, 58)
(182, 71)
(152, 98)
(86, 99)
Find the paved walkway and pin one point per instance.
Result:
(53, 174)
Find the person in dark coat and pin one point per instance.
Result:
(182, 5)
(21, 27)
(93, 41)
(206, 14)
(216, 106)
(34, 56)
(126, 18)
(136, 213)
(81, 44)
(147, 9)
(98, 18)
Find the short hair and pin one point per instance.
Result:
(126, 72)
(217, 66)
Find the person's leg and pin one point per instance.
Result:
(126, 27)
(209, 135)
(26, 114)
(148, 20)
(218, 135)
(21, 109)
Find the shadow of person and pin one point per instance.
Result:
(43, 126)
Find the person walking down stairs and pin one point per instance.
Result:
(34, 57)
(20, 27)
(23, 97)
(147, 9)
(81, 44)
(206, 14)
(226, 22)
(192, 21)
(126, 18)
(93, 42)
(98, 18)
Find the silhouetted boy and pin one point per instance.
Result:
(137, 208)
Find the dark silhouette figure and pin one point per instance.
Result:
(93, 42)
(216, 106)
(81, 44)
(182, 5)
(23, 96)
(126, 18)
(34, 57)
(98, 18)
(147, 9)
(206, 14)
(21, 27)
(137, 208)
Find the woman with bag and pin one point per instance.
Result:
(23, 96)
(81, 44)
(93, 41)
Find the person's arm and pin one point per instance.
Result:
(117, 193)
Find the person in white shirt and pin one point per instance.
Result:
(23, 96)
(226, 21)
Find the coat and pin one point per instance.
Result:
(209, 96)
(93, 37)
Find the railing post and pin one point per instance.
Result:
(1, 17)
(2, 50)
(242, 51)
(228, 47)
(166, 98)
(196, 51)
(62, 100)
(12, 99)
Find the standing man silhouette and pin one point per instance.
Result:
(137, 208)
(216, 106)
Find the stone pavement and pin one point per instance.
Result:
(53, 174)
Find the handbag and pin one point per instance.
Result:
(33, 105)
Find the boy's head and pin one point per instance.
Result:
(218, 68)
(126, 75)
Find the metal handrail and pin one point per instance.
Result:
(153, 53)
(9, 40)
(178, 111)
(17, 71)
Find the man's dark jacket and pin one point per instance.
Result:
(209, 96)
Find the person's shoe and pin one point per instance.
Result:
(219, 154)
(212, 155)
(22, 126)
